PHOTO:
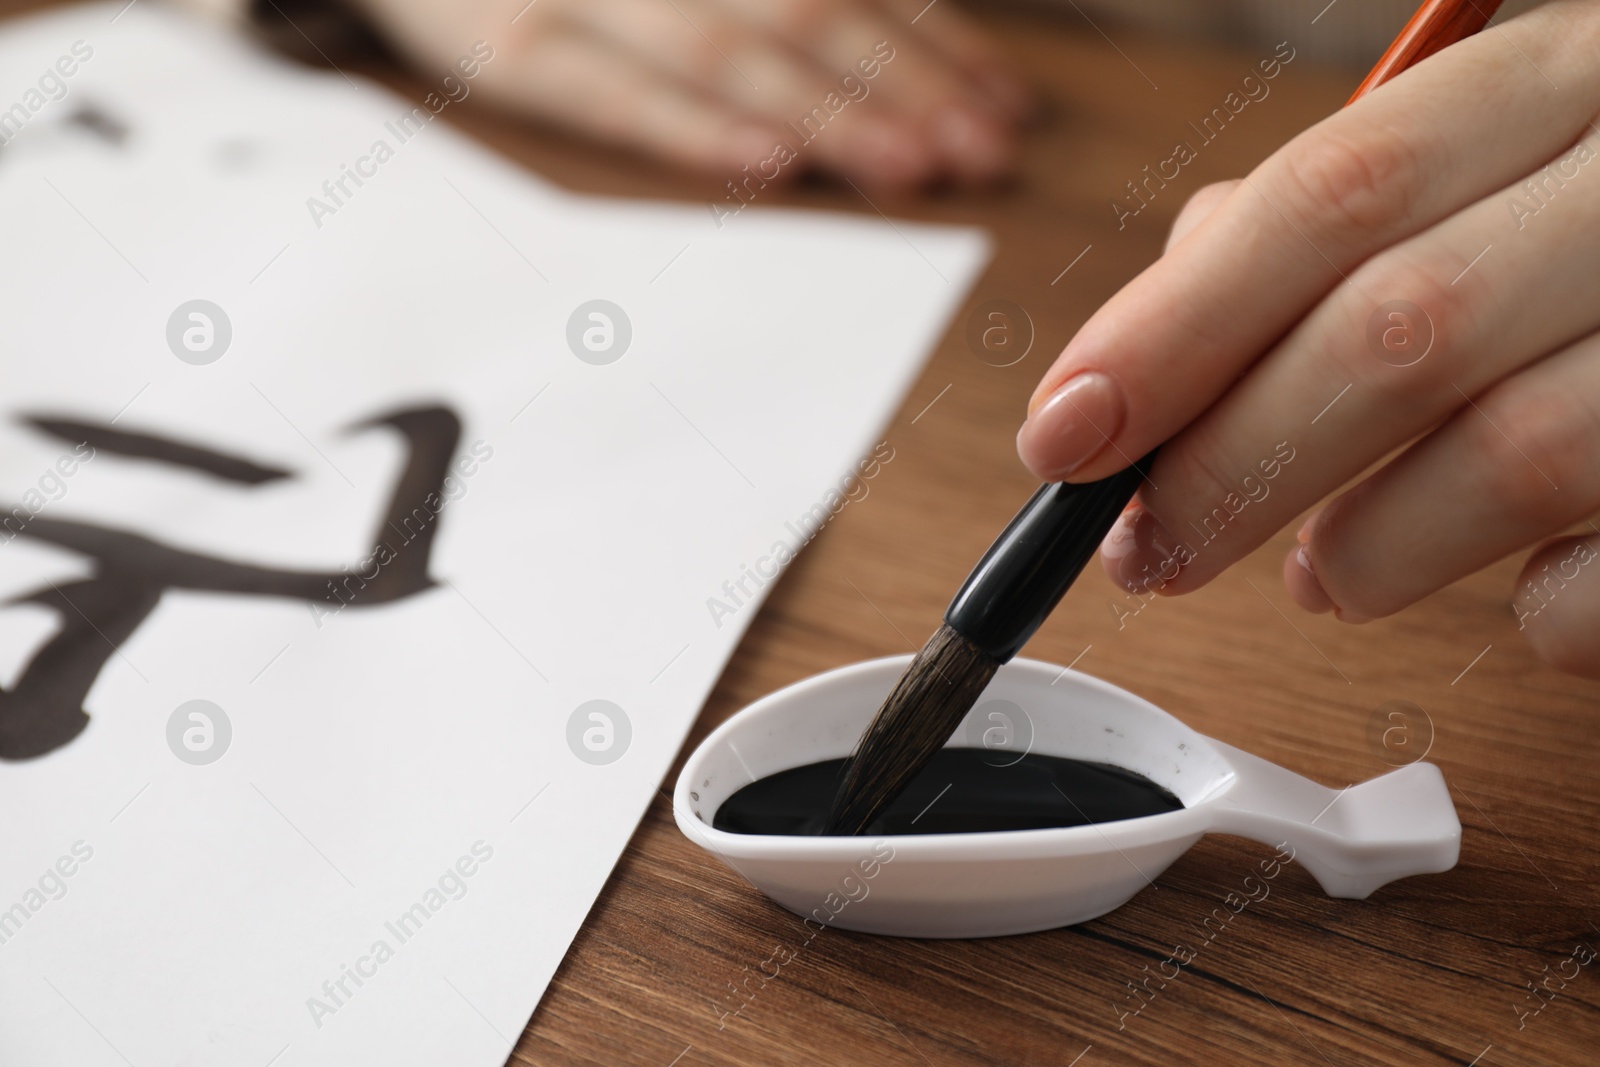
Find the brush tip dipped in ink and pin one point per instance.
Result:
(1008, 595)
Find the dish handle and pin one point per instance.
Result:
(1352, 840)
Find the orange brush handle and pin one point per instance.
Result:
(1437, 24)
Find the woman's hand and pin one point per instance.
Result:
(1409, 289)
(711, 83)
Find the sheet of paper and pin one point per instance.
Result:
(353, 614)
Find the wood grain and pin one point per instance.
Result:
(1430, 970)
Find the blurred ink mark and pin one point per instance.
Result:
(96, 121)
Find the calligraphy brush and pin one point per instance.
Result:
(1025, 573)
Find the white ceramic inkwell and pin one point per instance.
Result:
(992, 883)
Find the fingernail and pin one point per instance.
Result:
(1069, 429)
(1141, 554)
(970, 142)
(1305, 588)
(1347, 615)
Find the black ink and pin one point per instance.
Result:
(101, 123)
(963, 790)
(166, 450)
(45, 709)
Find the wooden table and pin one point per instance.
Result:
(1434, 969)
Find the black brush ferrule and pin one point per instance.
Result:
(1035, 560)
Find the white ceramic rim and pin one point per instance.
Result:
(1057, 842)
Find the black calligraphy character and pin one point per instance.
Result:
(44, 710)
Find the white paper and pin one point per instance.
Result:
(375, 748)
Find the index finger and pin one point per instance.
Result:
(1172, 341)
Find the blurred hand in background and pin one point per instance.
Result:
(710, 84)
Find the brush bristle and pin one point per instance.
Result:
(929, 701)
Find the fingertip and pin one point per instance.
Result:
(973, 145)
(1301, 580)
(1120, 541)
(1556, 605)
(889, 155)
(1354, 618)
(1140, 556)
(1300, 576)
(1010, 95)
(1075, 425)
(979, 59)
